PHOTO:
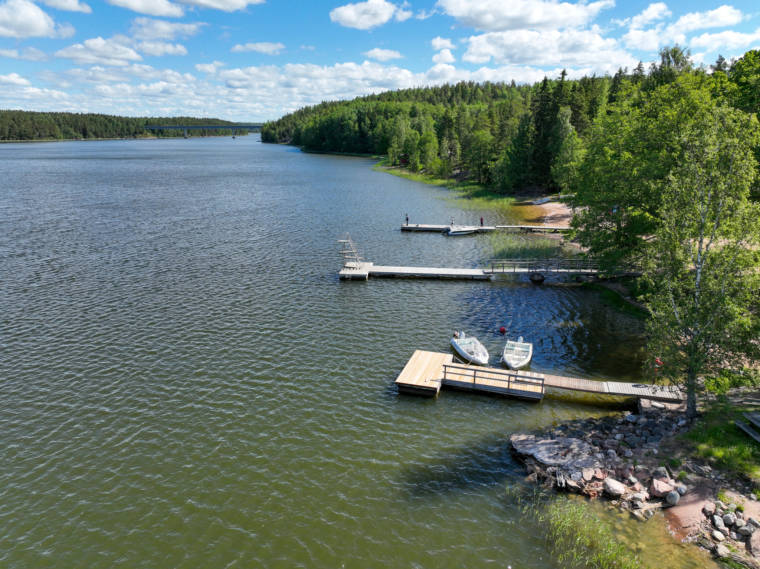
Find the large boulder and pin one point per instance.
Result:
(672, 497)
(569, 453)
(614, 488)
(753, 544)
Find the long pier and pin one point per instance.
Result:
(433, 228)
(426, 372)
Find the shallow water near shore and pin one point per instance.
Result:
(186, 382)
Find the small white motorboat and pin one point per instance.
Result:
(469, 348)
(517, 354)
(462, 230)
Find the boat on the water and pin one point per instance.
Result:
(469, 348)
(462, 229)
(517, 354)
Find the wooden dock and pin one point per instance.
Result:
(362, 270)
(426, 372)
(433, 228)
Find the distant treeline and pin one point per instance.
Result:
(504, 135)
(27, 125)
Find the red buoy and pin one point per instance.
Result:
(502, 330)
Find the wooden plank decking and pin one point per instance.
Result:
(426, 372)
(486, 228)
(363, 270)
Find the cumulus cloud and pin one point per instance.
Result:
(369, 14)
(651, 39)
(13, 79)
(500, 15)
(547, 47)
(70, 5)
(210, 68)
(268, 48)
(224, 5)
(159, 48)
(726, 40)
(29, 54)
(383, 54)
(444, 56)
(151, 7)
(150, 29)
(100, 51)
(441, 43)
(24, 19)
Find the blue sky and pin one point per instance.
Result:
(254, 60)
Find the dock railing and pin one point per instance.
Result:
(587, 266)
(511, 380)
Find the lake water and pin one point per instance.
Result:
(186, 383)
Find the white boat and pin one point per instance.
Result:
(469, 348)
(462, 229)
(517, 354)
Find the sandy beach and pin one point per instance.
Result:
(554, 213)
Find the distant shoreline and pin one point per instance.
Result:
(26, 141)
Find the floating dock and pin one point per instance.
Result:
(432, 228)
(426, 372)
(362, 270)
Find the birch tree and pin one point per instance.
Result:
(704, 263)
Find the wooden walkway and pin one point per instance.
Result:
(426, 372)
(422, 227)
(362, 270)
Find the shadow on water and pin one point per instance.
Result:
(481, 463)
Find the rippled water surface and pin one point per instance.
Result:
(186, 383)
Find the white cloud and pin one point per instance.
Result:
(149, 29)
(29, 54)
(151, 7)
(383, 54)
(100, 51)
(13, 79)
(224, 5)
(367, 15)
(24, 19)
(210, 68)
(725, 40)
(548, 47)
(70, 5)
(441, 43)
(159, 48)
(444, 56)
(719, 18)
(269, 48)
(501, 15)
(653, 38)
(651, 13)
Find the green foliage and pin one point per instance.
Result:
(719, 440)
(726, 379)
(26, 125)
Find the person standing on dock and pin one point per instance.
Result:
(407, 219)
(481, 221)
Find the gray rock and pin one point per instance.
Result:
(568, 452)
(739, 523)
(631, 418)
(718, 522)
(721, 550)
(681, 489)
(753, 544)
(753, 522)
(614, 488)
(708, 509)
(745, 531)
(619, 436)
(717, 536)
(729, 519)
(671, 498)
(611, 454)
(628, 453)
(719, 505)
(661, 472)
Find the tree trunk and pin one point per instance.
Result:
(691, 393)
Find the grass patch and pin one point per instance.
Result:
(719, 440)
(575, 535)
(518, 246)
(614, 300)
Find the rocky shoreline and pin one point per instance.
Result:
(620, 458)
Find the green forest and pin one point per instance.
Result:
(506, 136)
(27, 125)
